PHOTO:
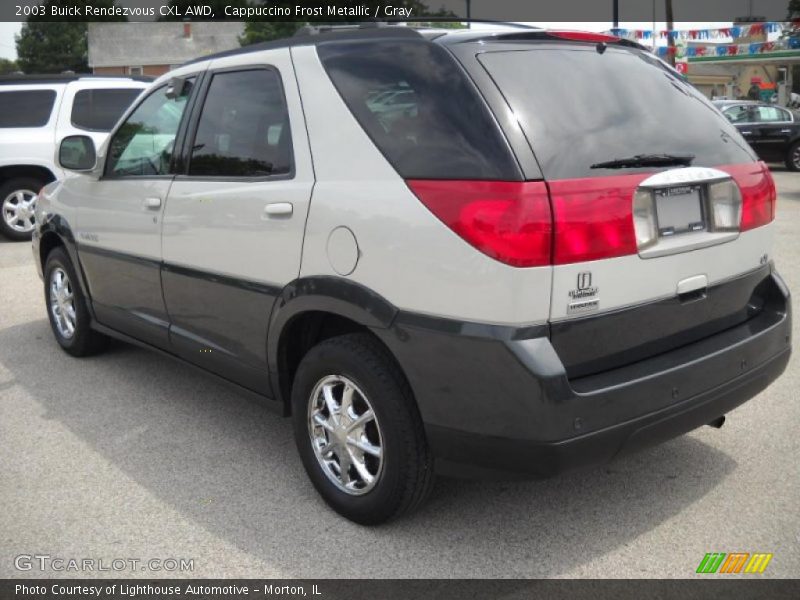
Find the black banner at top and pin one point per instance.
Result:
(395, 10)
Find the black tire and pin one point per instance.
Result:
(406, 477)
(793, 157)
(84, 341)
(9, 187)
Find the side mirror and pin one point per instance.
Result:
(77, 153)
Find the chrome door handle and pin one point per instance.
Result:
(786, 131)
(278, 209)
(152, 203)
(747, 133)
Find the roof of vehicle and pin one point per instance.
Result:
(310, 35)
(733, 102)
(67, 78)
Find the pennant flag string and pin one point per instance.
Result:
(736, 31)
(740, 30)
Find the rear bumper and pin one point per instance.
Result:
(473, 455)
(506, 406)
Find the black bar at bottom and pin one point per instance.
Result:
(741, 587)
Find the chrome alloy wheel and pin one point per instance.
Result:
(18, 208)
(62, 303)
(345, 435)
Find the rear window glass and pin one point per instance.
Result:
(26, 108)
(99, 110)
(413, 100)
(579, 107)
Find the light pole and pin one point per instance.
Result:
(670, 40)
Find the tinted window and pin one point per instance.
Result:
(244, 127)
(414, 101)
(99, 110)
(143, 144)
(579, 107)
(28, 108)
(739, 114)
(771, 114)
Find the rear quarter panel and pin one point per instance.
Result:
(406, 254)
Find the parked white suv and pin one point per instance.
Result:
(36, 112)
(487, 280)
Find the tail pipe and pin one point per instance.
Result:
(718, 422)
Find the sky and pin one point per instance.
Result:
(7, 31)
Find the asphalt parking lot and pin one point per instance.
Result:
(129, 455)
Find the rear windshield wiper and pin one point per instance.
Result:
(647, 160)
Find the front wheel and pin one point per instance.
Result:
(66, 307)
(793, 157)
(358, 431)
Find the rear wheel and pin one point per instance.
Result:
(18, 201)
(358, 431)
(66, 307)
(793, 157)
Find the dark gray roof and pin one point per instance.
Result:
(124, 44)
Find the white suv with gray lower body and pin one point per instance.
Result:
(36, 113)
(413, 246)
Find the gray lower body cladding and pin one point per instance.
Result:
(494, 403)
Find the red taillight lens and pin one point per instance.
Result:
(758, 193)
(507, 220)
(593, 218)
(583, 36)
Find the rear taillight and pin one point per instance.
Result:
(509, 221)
(758, 193)
(593, 218)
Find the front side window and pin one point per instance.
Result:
(144, 143)
(739, 114)
(244, 127)
(99, 110)
(26, 108)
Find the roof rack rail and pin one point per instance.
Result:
(54, 78)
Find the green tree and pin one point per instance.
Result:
(266, 30)
(7, 66)
(44, 46)
(263, 31)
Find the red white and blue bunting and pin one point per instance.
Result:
(735, 31)
(685, 36)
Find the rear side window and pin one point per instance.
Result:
(771, 114)
(244, 127)
(579, 107)
(419, 109)
(99, 110)
(26, 108)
